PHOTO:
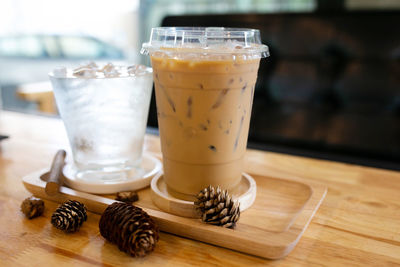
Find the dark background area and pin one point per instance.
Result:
(331, 87)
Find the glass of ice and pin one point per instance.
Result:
(104, 110)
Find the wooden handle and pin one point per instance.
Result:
(56, 178)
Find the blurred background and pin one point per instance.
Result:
(331, 88)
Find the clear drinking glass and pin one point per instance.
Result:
(105, 115)
(204, 81)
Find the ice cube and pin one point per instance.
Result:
(92, 65)
(109, 70)
(132, 69)
(233, 44)
(137, 70)
(84, 72)
(60, 72)
(87, 70)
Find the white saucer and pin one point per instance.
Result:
(245, 193)
(150, 166)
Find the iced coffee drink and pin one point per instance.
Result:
(204, 94)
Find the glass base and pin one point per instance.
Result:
(110, 174)
(111, 180)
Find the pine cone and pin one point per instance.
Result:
(32, 207)
(69, 216)
(127, 196)
(130, 228)
(217, 207)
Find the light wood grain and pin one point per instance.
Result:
(245, 193)
(260, 232)
(356, 225)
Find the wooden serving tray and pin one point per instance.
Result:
(270, 228)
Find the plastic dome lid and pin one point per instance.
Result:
(210, 40)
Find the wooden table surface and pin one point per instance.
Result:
(357, 224)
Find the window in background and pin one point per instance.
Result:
(30, 46)
(52, 46)
(75, 47)
(37, 36)
(23, 46)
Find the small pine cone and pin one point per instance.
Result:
(130, 228)
(32, 207)
(127, 197)
(217, 207)
(69, 216)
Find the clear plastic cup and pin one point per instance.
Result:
(105, 115)
(204, 81)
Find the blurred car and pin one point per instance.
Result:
(29, 58)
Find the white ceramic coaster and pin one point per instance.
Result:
(245, 192)
(137, 179)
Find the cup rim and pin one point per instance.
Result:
(210, 40)
(215, 31)
(146, 72)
